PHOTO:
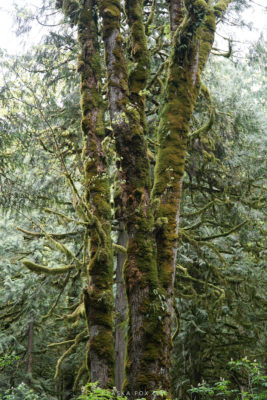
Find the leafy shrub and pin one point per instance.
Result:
(21, 392)
(93, 392)
(248, 376)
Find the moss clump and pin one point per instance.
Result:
(102, 345)
(110, 11)
(70, 8)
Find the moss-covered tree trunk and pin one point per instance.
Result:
(193, 32)
(121, 311)
(127, 115)
(151, 215)
(97, 198)
(98, 296)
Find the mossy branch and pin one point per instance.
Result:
(82, 370)
(41, 269)
(80, 310)
(162, 66)
(79, 338)
(61, 343)
(196, 11)
(61, 247)
(205, 128)
(200, 211)
(205, 91)
(9, 314)
(220, 7)
(219, 291)
(197, 243)
(139, 75)
(151, 17)
(66, 217)
(223, 234)
(53, 235)
(70, 9)
(226, 54)
(178, 326)
(194, 226)
(159, 40)
(50, 312)
(119, 249)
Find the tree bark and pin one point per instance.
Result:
(191, 44)
(99, 302)
(120, 312)
(151, 215)
(141, 276)
(30, 349)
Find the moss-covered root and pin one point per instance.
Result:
(99, 295)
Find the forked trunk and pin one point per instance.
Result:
(151, 215)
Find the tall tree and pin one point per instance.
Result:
(140, 74)
(150, 214)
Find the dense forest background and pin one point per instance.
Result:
(220, 298)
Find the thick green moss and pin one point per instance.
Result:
(70, 8)
(220, 7)
(138, 76)
(98, 297)
(102, 344)
(110, 11)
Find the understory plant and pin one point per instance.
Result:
(247, 382)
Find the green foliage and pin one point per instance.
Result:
(220, 283)
(93, 392)
(23, 392)
(247, 376)
(8, 360)
(20, 392)
(221, 296)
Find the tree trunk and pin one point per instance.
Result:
(141, 276)
(192, 40)
(120, 312)
(151, 215)
(99, 301)
(30, 350)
